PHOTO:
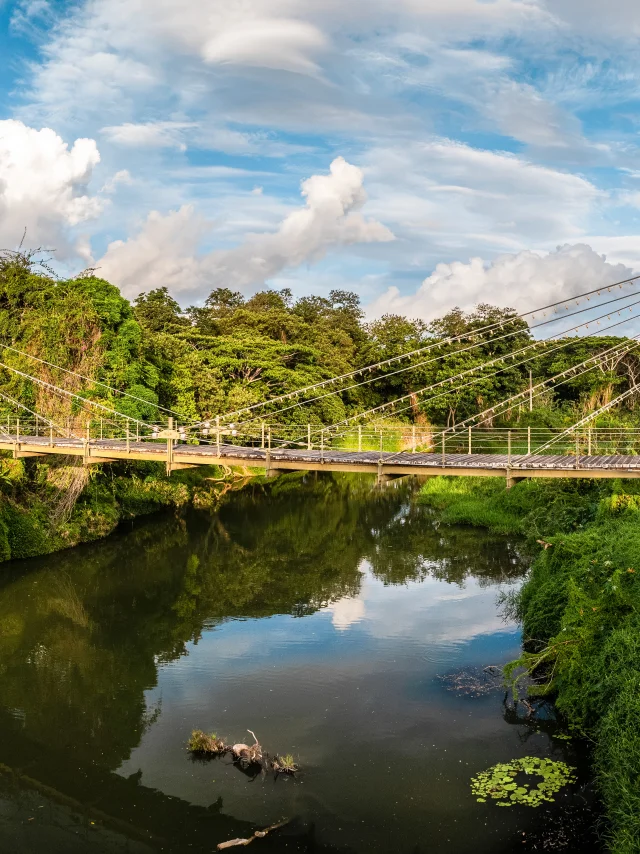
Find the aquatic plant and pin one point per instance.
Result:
(284, 764)
(206, 744)
(504, 782)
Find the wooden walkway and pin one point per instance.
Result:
(383, 464)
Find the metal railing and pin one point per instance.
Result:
(512, 442)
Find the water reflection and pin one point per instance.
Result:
(111, 653)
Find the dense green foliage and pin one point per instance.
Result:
(82, 336)
(234, 352)
(580, 609)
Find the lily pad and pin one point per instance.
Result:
(499, 782)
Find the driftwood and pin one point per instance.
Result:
(259, 834)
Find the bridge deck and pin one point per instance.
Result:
(283, 459)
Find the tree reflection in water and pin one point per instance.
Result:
(82, 633)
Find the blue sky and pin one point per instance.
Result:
(424, 154)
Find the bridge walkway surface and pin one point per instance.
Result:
(177, 456)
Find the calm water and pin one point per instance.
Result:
(322, 614)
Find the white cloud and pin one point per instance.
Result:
(122, 176)
(44, 184)
(106, 52)
(149, 134)
(163, 253)
(165, 250)
(521, 281)
(450, 198)
(277, 43)
(618, 18)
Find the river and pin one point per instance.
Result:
(340, 623)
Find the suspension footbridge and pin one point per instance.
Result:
(384, 464)
(278, 435)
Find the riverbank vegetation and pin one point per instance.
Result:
(580, 611)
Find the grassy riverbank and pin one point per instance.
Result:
(580, 610)
(47, 507)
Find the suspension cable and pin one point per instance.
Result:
(620, 346)
(623, 347)
(94, 381)
(30, 411)
(590, 417)
(79, 397)
(475, 369)
(453, 353)
(449, 340)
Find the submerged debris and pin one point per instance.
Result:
(246, 755)
(473, 681)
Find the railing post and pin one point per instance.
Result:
(218, 435)
(322, 445)
(530, 391)
(359, 437)
(509, 448)
(528, 440)
(469, 439)
(308, 437)
(170, 448)
(50, 436)
(36, 426)
(589, 440)
(101, 427)
(128, 439)
(444, 450)
(17, 445)
(268, 454)
(577, 450)
(413, 439)
(262, 439)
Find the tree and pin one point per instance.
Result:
(157, 311)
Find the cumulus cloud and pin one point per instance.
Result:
(165, 250)
(44, 184)
(522, 281)
(163, 253)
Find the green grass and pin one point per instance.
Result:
(580, 610)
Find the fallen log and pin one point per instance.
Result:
(259, 834)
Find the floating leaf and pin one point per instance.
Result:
(499, 783)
